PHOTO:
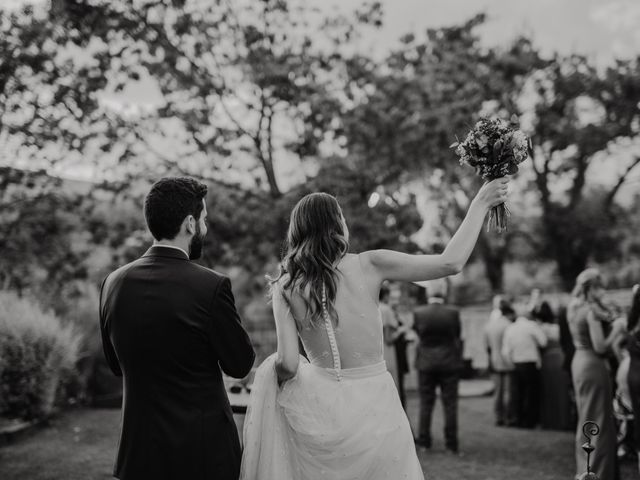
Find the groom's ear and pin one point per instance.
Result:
(190, 224)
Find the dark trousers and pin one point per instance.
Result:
(633, 379)
(403, 367)
(525, 391)
(401, 390)
(428, 381)
(503, 405)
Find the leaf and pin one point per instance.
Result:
(454, 145)
(512, 169)
(497, 148)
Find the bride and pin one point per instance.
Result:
(338, 415)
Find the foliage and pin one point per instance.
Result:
(36, 236)
(269, 100)
(38, 356)
(578, 113)
(241, 86)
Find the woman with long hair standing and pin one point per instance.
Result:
(554, 379)
(590, 372)
(338, 416)
(633, 377)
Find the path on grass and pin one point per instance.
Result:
(81, 444)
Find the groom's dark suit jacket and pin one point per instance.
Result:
(168, 328)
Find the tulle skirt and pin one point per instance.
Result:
(318, 427)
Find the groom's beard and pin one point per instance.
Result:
(195, 246)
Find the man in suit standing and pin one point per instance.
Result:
(169, 328)
(439, 362)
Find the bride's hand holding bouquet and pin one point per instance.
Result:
(491, 194)
(495, 149)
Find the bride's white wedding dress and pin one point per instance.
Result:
(340, 417)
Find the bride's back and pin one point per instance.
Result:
(358, 330)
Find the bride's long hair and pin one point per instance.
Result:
(315, 243)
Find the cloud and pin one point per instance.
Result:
(616, 16)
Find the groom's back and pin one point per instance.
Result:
(164, 320)
(157, 315)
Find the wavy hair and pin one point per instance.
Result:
(585, 282)
(315, 243)
(633, 317)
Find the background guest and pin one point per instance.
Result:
(633, 377)
(496, 303)
(439, 362)
(500, 366)
(554, 380)
(590, 373)
(391, 330)
(521, 345)
(405, 337)
(566, 341)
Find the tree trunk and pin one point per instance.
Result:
(567, 243)
(493, 252)
(569, 267)
(274, 190)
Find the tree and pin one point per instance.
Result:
(227, 76)
(243, 89)
(36, 233)
(578, 115)
(408, 109)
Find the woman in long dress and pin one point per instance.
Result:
(591, 375)
(338, 416)
(633, 375)
(555, 402)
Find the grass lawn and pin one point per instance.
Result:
(80, 445)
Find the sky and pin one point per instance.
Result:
(602, 29)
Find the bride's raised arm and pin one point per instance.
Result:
(392, 265)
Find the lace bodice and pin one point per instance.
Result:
(355, 340)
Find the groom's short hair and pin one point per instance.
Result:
(169, 202)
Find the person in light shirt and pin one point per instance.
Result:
(501, 367)
(521, 345)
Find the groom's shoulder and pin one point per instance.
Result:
(205, 273)
(124, 269)
(121, 271)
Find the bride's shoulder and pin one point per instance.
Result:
(372, 259)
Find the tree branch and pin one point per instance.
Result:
(542, 179)
(209, 178)
(201, 73)
(575, 193)
(608, 203)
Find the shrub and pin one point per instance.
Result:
(37, 355)
(76, 304)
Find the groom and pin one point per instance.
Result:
(169, 326)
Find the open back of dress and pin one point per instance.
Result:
(357, 330)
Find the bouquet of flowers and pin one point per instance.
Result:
(494, 148)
